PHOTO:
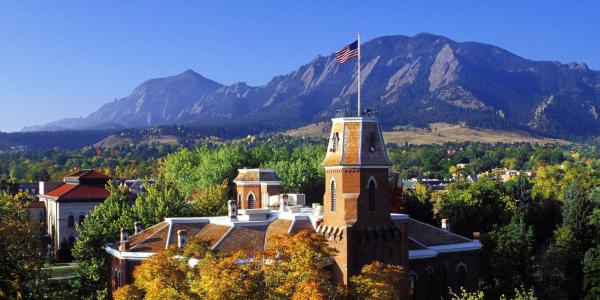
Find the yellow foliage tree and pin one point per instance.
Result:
(297, 262)
(226, 277)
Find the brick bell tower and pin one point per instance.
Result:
(357, 200)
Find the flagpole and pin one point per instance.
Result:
(358, 84)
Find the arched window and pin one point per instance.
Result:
(71, 221)
(461, 269)
(371, 193)
(71, 242)
(81, 219)
(412, 286)
(251, 201)
(429, 283)
(333, 204)
(334, 141)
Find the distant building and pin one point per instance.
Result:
(67, 204)
(135, 186)
(356, 218)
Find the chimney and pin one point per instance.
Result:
(232, 209)
(138, 227)
(124, 243)
(181, 238)
(445, 225)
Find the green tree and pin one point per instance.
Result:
(508, 258)
(101, 226)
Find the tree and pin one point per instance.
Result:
(591, 273)
(164, 276)
(101, 226)
(476, 206)
(211, 201)
(419, 205)
(298, 260)
(223, 277)
(21, 275)
(378, 281)
(508, 258)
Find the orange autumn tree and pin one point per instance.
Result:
(295, 267)
(378, 281)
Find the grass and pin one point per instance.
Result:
(61, 269)
(437, 133)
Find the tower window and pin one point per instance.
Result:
(372, 142)
(251, 201)
(371, 193)
(333, 204)
(334, 142)
(462, 275)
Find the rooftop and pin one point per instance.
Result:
(254, 236)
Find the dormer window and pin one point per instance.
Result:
(372, 142)
(334, 142)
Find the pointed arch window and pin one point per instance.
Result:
(333, 196)
(334, 142)
(71, 221)
(251, 201)
(371, 193)
(462, 275)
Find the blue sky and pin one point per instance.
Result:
(67, 58)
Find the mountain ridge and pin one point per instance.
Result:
(412, 80)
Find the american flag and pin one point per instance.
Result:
(348, 52)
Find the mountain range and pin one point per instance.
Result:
(414, 80)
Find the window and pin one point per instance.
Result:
(71, 221)
(372, 142)
(81, 219)
(334, 142)
(251, 201)
(429, 283)
(462, 274)
(371, 192)
(71, 242)
(333, 204)
(412, 286)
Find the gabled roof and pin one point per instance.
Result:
(79, 192)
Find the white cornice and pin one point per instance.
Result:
(127, 255)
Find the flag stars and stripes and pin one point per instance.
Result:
(348, 52)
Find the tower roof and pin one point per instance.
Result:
(257, 175)
(356, 141)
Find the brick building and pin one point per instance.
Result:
(355, 217)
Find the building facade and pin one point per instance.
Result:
(68, 203)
